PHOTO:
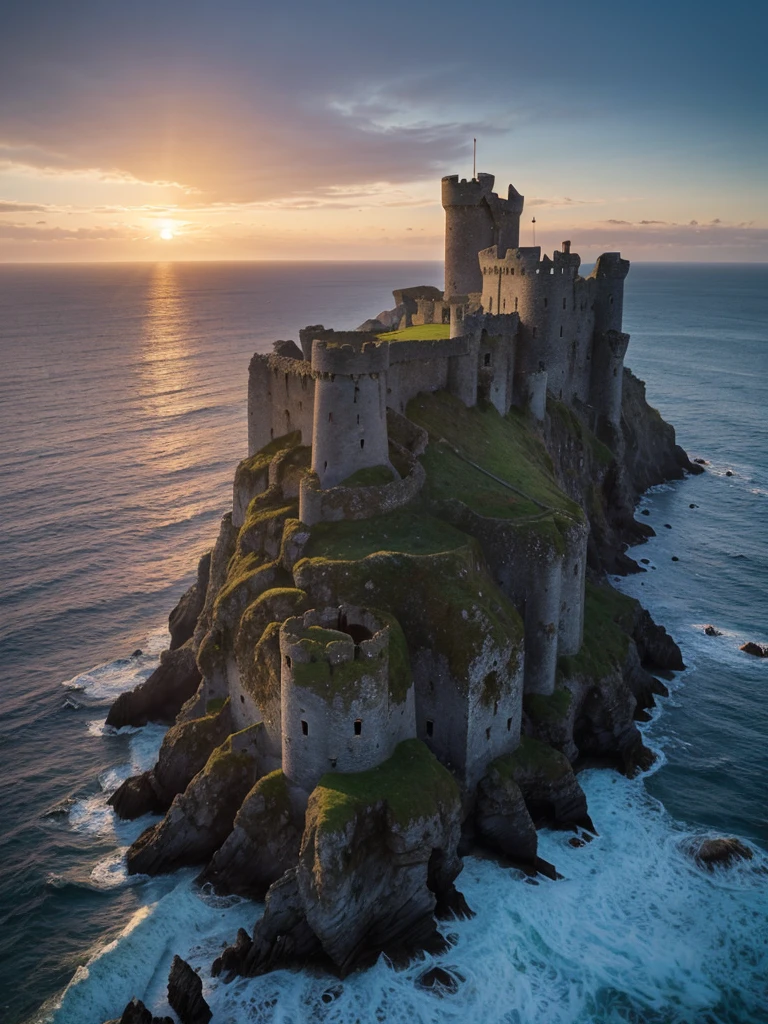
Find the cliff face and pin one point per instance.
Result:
(484, 572)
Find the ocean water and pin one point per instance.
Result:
(122, 406)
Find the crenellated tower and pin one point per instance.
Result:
(475, 218)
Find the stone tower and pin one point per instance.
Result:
(346, 702)
(350, 410)
(476, 218)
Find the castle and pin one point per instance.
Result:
(510, 327)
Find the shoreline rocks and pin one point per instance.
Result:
(757, 650)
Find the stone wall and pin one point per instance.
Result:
(281, 395)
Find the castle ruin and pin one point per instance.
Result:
(510, 328)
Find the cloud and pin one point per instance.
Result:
(8, 207)
(28, 233)
(659, 234)
(563, 201)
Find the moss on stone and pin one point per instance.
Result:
(548, 709)
(608, 619)
(215, 704)
(371, 476)
(532, 757)
(411, 783)
(572, 424)
(226, 758)
(515, 476)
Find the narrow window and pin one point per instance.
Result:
(546, 303)
(515, 303)
(615, 373)
(358, 726)
(563, 303)
(304, 728)
(488, 733)
(325, 466)
(509, 725)
(272, 432)
(490, 305)
(487, 359)
(358, 418)
(561, 332)
(611, 300)
(330, 417)
(333, 762)
(430, 727)
(242, 699)
(362, 442)
(288, 660)
(512, 271)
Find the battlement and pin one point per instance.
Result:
(611, 265)
(337, 635)
(349, 353)
(467, 192)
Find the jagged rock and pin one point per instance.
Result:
(721, 852)
(547, 784)
(712, 631)
(287, 349)
(185, 994)
(758, 650)
(371, 849)
(654, 644)
(201, 818)
(502, 820)
(159, 698)
(370, 326)
(185, 749)
(137, 1013)
(701, 462)
(183, 618)
(264, 842)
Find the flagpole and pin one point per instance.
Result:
(474, 158)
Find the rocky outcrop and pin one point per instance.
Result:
(650, 453)
(185, 749)
(377, 856)
(502, 822)
(201, 818)
(137, 1013)
(655, 646)
(185, 994)
(183, 618)
(264, 842)
(159, 698)
(721, 852)
(758, 650)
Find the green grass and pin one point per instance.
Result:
(371, 476)
(532, 756)
(501, 445)
(559, 411)
(608, 619)
(402, 531)
(425, 332)
(549, 709)
(412, 782)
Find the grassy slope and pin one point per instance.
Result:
(502, 445)
(426, 332)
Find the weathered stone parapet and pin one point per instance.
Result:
(428, 348)
(350, 353)
(346, 692)
(323, 505)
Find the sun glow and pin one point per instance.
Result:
(166, 234)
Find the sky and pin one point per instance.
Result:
(181, 129)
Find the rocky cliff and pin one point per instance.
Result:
(367, 862)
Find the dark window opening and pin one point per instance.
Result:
(490, 305)
(495, 707)
(563, 303)
(325, 466)
(333, 762)
(561, 332)
(358, 418)
(512, 271)
(488, 733)
(330, 417)
(242, 699)
(362, 442)
(487, 359)
(509, 725)
(610, 299)
(356, 391)
(546, 303)
(288, 660)
(430, 727)
(515, 302)
(304, 728)
(358, 726)
(615, 373)
(272, 432)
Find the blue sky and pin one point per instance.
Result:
(246, 130)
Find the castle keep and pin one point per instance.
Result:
(512, 329)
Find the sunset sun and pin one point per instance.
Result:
(166, 234)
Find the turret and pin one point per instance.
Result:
(476, 218)
(346, 702)
(350, 409)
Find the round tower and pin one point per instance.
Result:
(345, 701)
(350, 413)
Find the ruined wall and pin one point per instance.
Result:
(281, 394)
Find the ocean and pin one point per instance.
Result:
(122, 418)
